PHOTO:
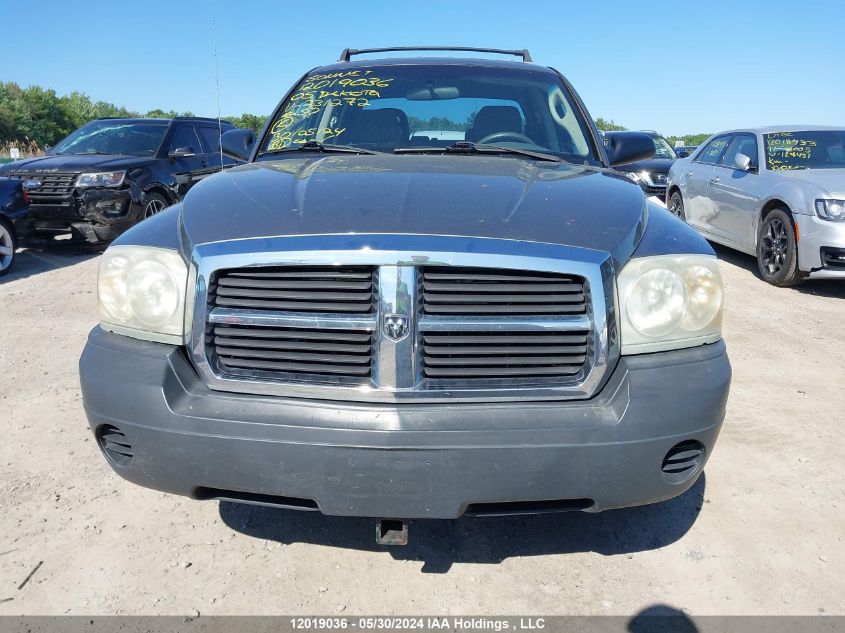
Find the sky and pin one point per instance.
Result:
(682, 67)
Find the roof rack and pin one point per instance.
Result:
(349, 52)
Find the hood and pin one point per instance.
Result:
(77, 163)
(472, 196)
(659, 165)
(831, 181)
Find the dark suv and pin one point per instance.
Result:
(651, 173)
(111, 173)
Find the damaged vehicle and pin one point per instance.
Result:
(112, 173)
(364, 322)
(15, 221)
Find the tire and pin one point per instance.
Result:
(153, 203)
(676, 205)
(777, 250)
(8, 246)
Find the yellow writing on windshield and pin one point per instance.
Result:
(352, 88)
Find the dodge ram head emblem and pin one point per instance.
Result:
(395, 326)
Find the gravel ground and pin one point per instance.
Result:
(762, 533)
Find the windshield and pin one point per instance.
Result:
(114, 137)
(662, 149)
(383, 108)
(805, 150)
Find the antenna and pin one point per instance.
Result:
(216, 80)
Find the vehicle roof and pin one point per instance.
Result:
(432, 61)
(144, 119)
(770, 129)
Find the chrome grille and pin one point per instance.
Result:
(485, 291)
(347, 289)
(291, 352)
(55, 187)
(377, 318)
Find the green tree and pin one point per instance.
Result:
(252, 122)
(609, 125)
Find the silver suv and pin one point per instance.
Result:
(777, 193)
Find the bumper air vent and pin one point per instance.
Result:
(114, 445)
(312, 289)
(682, 461)
(833, 258)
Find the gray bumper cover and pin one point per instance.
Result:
(403, 461)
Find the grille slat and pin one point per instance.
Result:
(339, 289)
(302, 368)
(243, 353)
(292, 352)
(299, 334)
(482, 292)
(528, 355)
(500, 372)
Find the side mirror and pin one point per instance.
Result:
(181, 152)
(238, 143)
(742, 162)
(682, 153)
(628, 147)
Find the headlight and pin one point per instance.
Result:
(101, 179)
(669, 302)
(633, 176)
(141, 293)
(831, 210)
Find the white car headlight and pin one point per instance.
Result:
(669, 302)
(633, 176)
(101, 179)
(141, 293)
(833, 210)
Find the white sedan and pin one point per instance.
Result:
(777, 193)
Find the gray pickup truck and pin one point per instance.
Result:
(366, 321)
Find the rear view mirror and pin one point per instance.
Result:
(628, 147)
(181, 152)
(237, 143)
(742, 162)
(430, 93)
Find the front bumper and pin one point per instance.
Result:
(94, 215)
(815, 234)
(404, 461)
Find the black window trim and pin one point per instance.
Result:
(728, 136)
(754, 159)
(175, 130)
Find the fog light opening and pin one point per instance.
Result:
(114, 445)
(683, 461)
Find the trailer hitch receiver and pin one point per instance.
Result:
(391, 532)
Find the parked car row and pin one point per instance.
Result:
(110, 174)
(775, 192)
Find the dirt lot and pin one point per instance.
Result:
(762, 535)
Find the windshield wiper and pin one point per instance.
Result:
(316, 146)
(468, 147)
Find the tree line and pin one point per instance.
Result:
(36, 116)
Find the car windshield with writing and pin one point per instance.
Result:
(817, 149)
(432, 107)
(115, 137)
